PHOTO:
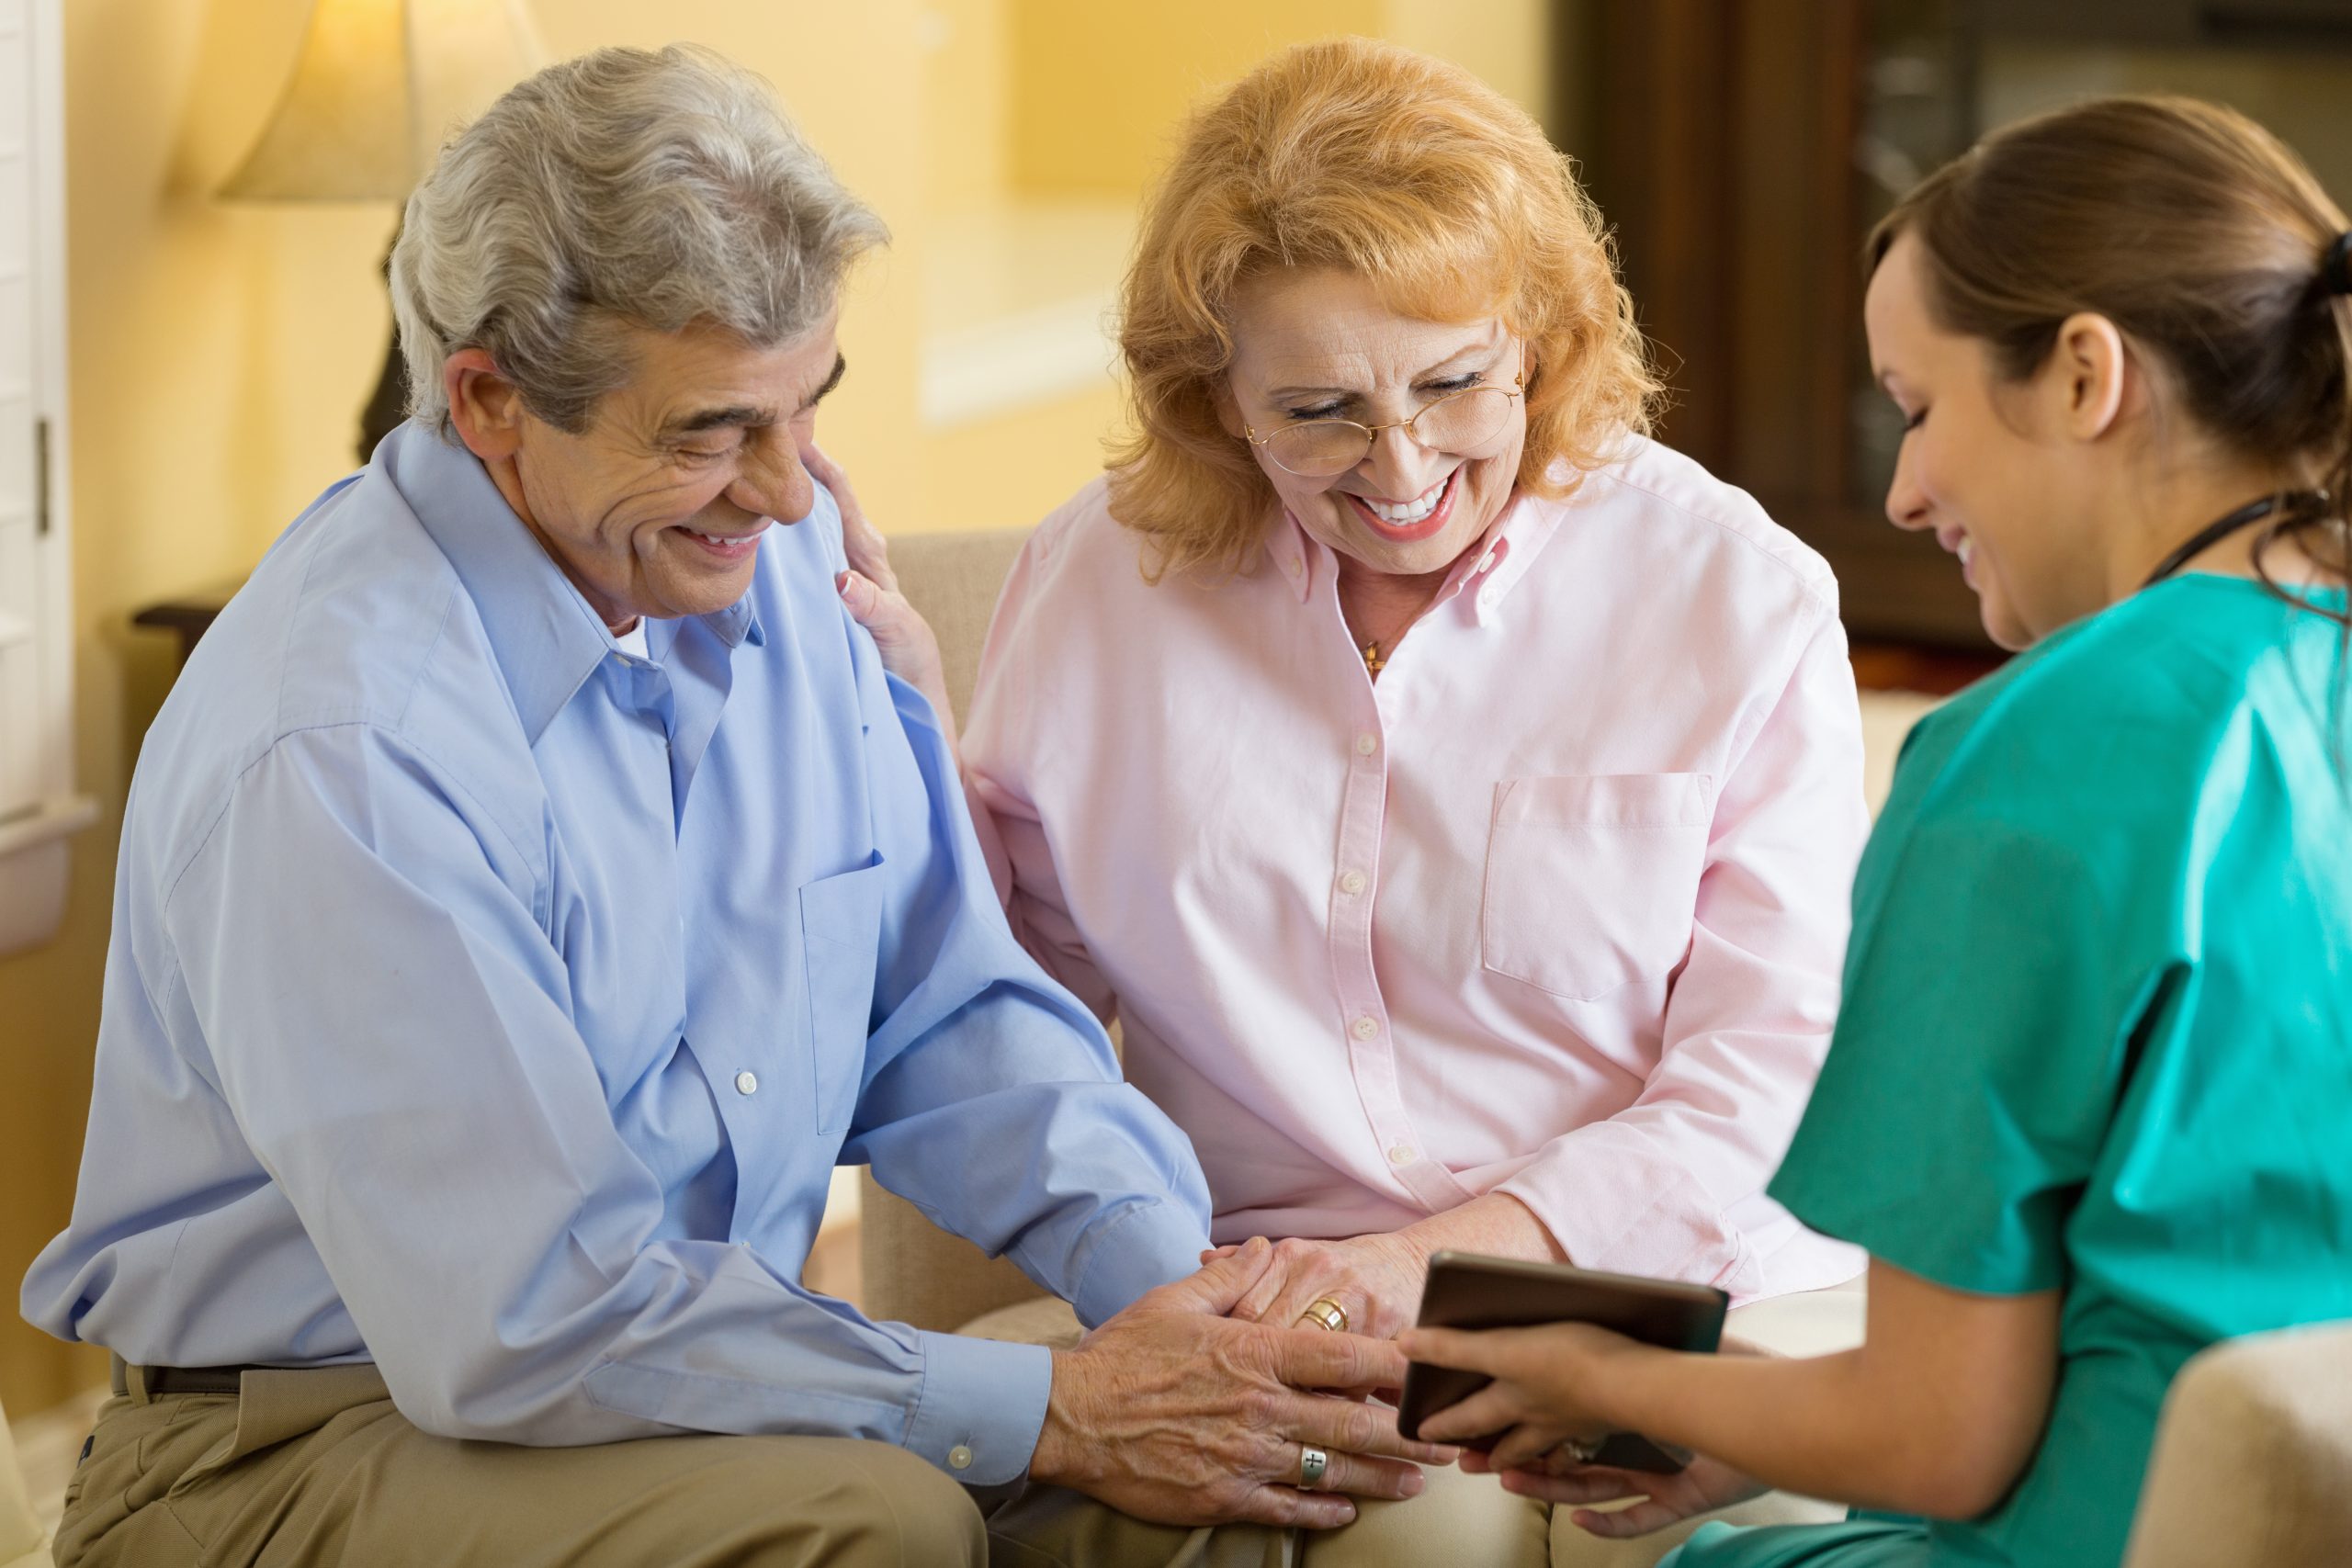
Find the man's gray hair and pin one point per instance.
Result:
(623, 186)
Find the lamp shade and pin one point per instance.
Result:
(379, 84)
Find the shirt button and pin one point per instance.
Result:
(747, 1083)
(1400, 1154)
(1352, 882)
(1366, 1028)
(959, 1457)
(1367, 743)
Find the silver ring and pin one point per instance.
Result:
(1312, 1463)
(1580, 1451)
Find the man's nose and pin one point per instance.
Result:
(773, 482)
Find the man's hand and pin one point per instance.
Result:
(1702, 1487)
(1175, 1413)
(870, 589)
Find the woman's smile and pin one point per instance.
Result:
(1408, 521)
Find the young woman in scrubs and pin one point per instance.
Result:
(2087, 1101)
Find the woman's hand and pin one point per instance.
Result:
(1700, 1487)
(1375, 1279)
(1549, 1389)
(870, 589)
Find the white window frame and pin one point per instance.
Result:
(33, 851)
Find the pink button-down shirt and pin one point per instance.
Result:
(1556, 907)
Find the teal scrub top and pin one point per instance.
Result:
(2096, 1034)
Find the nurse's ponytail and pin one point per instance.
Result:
(2208, 244)
(2336, 303)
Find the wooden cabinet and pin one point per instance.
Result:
(1721, 138)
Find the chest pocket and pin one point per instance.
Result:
(841, 928)
(1591, 881)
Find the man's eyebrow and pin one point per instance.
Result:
(733, 416)
(840, 368)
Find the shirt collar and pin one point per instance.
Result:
(1488, 573)
(544, 635)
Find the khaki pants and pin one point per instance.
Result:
(304, 1468)
(317, 1468)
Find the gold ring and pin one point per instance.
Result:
(1325, 1312)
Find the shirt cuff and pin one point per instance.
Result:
(1153, 1244)
(982, 1405)
(1614, 1201)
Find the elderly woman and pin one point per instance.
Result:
(1451, 793)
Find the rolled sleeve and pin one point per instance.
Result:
(1149, 1245)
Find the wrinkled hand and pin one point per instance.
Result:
(870, 589)
(1173, 1412)
(1546, 1387)
(1376, 1280)
(1704, 1486)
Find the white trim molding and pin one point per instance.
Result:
(38, 807)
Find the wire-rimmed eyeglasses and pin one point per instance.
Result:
(1456, 422)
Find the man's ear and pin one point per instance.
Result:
(484, 407)
(2094, 373)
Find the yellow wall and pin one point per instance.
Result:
(1086, 119)
(219, 353)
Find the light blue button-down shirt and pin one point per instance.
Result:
(494, 1005)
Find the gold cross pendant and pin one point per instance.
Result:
(1372, 662)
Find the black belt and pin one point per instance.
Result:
(161, 1380)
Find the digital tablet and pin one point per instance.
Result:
(1465, 1290)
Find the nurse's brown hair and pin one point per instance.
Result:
(1405, 171)
(2202, 237)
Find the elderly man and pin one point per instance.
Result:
(532, 890)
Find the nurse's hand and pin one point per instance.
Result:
(870, 591)
(1375, 1279)
(1702, 1486)
(1549, 1387)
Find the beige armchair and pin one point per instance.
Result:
(23, 1542)
(911, 1270)
(2253, 1456)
